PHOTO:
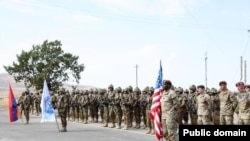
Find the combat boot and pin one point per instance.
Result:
(118, 127)
(130, 124)
(149, 131)
(138, 126)
(153, 132)
(85, 122)
(144, 126)
(112, 126)
(63, 129)
(125, 127)
(105, 124)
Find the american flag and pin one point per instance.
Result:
(155, 112)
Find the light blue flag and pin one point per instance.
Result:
(48, 112)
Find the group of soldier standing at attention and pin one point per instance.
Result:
(114, 106)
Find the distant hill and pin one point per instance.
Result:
(18, 88)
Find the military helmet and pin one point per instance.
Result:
(151, 89)
(96, 91)
(111, 86)
(119, 89)
(91, 91)
(213, 91)
(186, 91)
(77, 91)
(192, 87)
(137, 90)
(130, 88)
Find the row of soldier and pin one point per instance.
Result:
(115, 105)
(110, 106)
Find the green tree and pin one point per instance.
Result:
(46, 62)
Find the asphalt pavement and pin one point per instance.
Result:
(48, 131)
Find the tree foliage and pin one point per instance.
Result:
(46, 62)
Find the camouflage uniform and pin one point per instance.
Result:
(143, 104)
(75, 106)
(130, 90)
(101, 97)
(169, 105)
(37, 102)
(20, 102)
(62, 106)
(182, 108)
(136, 107)
(203, 107)
(71, 106)
(150, 124)
(243, 98)
(103, 100)
(83, 106)
(111, 100)
(126, 101)
(191, 105)
(32, 104)
(118, 110)
(185, 94)
(53, 100)
(68, 99)
(93, 105)
(228, 103)
(27, 102)
(215, 107)
(96, 106)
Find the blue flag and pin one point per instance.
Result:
(48, 113)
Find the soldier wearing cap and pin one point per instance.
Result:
(203, 106)
(243, 98)
(228, 103)
(169, 105)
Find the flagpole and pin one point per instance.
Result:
(57, 123)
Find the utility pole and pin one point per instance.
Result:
(206, 69)
(241, 70)
(245, 62)
(136, 74)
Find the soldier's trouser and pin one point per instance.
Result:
(193, 118)
(91, 111)
(169, 129)
(185, 117)
(216, 117)
(106, 114)
(226, 119)
(27, 114)
(118, 113)
(76, 112)
(101, 110)
(144, 115)
(180, 116)
(150, 123)
(68, 112)
(85, 113)
(244, 122)
(38, 108)
(112, 114)
(96, 112)
(203, 120)
(137, 113)
(63, 116)
(131, 115)
(126, 113)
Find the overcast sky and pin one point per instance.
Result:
(111, 37)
